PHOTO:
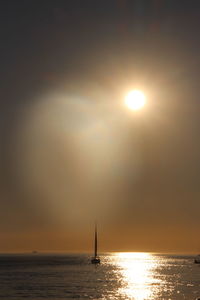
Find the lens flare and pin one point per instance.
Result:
(135, 100)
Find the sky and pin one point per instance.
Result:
(72, 153)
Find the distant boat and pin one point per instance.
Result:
(95, 259)
(197, 260)
(34, 252)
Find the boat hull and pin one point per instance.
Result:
(95, 260)
(196, 261)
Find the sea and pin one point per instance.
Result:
(138, 276)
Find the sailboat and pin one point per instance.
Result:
(197, 260)
(95, 259)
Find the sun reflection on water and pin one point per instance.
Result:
(138, 275)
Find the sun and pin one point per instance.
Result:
(135, 99)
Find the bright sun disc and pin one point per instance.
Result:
(135, 100)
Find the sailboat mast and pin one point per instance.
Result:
(95, 241)
(95, 259)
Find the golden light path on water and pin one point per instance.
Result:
(138, 275)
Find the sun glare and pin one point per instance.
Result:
(138, 274)
(135, 99)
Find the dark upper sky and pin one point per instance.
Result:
(68, 149)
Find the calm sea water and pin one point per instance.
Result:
(136, 276)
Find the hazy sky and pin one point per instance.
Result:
(71, 152)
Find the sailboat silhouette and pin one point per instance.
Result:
(95, 259)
